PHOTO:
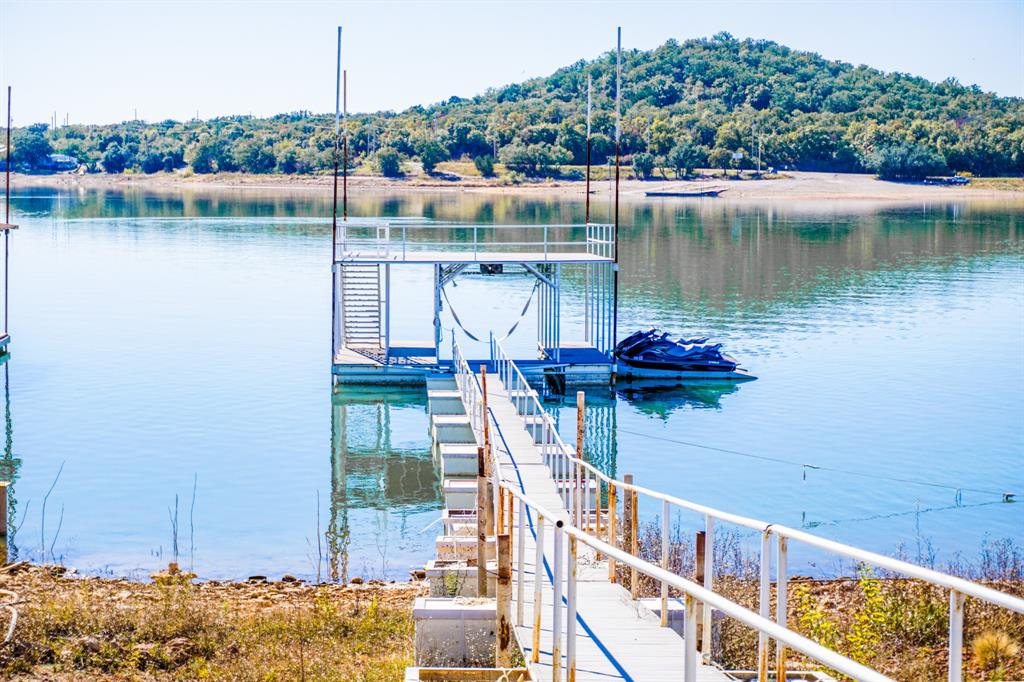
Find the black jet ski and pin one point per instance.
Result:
(655, 354)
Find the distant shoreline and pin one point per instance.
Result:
(793, 186)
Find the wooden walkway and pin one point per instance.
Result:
(617, 638)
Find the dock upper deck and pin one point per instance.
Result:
(440, 242)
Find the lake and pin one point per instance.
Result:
(171, 351)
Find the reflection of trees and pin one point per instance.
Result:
(367, 471)
(9, 465)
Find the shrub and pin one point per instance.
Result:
(643, 165)
(905, 162)
(432, 153)
(389, 163)
(485, 165)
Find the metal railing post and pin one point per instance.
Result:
(764, 605)
(570, 615)
(521, 562)
(556, 614)
(709, 580)
(690, 641)
(613, 513)
(538, 583)
(666, 513)
(956, 636)
(781, 605)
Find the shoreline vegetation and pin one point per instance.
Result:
(784, 186)
(178, 627)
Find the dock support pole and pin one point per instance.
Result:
(764, 605)
(556, 615)
(956, 636)
(613, 512)
(521, 563)
(634, 549)
(581, 399)
(481, 524)
(538, 583)
(709, 580)
(666, 516)
(503, 651)
(570, 615)
(488, 456)
(698, 577)
(781, 606)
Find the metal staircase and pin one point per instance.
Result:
(360, 309)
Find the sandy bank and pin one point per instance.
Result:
(794, 186)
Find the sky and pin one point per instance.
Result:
(105, 62)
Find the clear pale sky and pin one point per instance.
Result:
(99, 61)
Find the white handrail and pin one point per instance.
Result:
(566, 468)
(692, 590)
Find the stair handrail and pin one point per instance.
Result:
(572, 475)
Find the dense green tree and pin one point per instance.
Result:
(906, 162)
(389, 163)
(485, 165)
(684, 157)
(536, 159)
(116, 158)
(431, 153)
(643, 165)
(30, 147)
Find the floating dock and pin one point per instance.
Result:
(366, 253)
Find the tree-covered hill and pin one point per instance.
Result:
(685, 105)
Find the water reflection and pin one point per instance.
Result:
(368, 470)
(660, 400)
(9, 466)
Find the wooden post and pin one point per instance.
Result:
(489, 497)
(503, 640)
(613, 512)
(699, 579)
(511, 502)
(627, 520)
(481, 526)
(580, 491)
(501, 510)
(538, 583)
(634, 583)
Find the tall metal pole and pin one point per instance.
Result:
(618, 136)
(7, 209)
(334, 209)
(344, 153)
(589, 105)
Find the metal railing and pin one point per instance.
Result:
(576, 479)
(401, 239)
(564, 617)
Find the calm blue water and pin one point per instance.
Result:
(168, 341)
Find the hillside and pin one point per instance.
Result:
(685, 105)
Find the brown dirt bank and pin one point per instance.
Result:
(77, 628)
(794, 186)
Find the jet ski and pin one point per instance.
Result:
(655, 354)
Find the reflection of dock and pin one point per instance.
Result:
(368, 471)
(364, 351)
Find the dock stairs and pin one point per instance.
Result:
(361, 304)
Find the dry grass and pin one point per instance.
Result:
(92, 628)
(894, 625)
(1012, 184)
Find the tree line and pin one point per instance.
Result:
(696, 104)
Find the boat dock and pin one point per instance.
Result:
(557, 540)
(365, 351)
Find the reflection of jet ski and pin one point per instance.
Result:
(654, 353)
(656, 398)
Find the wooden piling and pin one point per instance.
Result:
(634, 583)
(613, 511)
(488, 459)
(698, 576)
(580, 488)
(627, 521)
(503, 638)
(511, 502)
(481, 524)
